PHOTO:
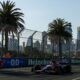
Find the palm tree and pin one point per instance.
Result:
(10, 19)
(59, 30)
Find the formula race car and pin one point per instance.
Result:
(64, 69)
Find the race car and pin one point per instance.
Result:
(56, 70)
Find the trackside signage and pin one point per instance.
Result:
(24, 62)
(38, 61)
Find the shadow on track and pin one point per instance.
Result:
(29, 74)
(16, 73)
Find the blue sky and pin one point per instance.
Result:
(39, 13)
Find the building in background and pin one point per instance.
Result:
(78, 42)
(37, 45)
(29, 41)
(44, 41)
(49, 48)
(78, 33)
(78, 39)
(13, 44)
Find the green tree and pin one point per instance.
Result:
(59, 30)
(11, 21)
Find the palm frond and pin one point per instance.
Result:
(60, 27)
(11, 16)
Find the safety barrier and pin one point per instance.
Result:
(25, 62)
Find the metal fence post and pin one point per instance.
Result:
(43, 42)
(32, 40)
(19, 38)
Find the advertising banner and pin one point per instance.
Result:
(25, 62)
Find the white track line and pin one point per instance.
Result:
(78, 78)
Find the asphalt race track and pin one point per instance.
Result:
(25, 74)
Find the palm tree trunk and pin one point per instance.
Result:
(60, 48)
(2, 39)
(53, 50)
(13, 42)
(53, 47)
(6, 40)
(18, 43)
